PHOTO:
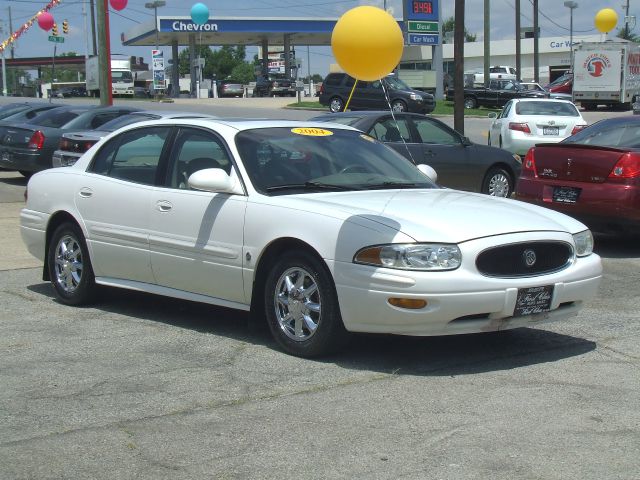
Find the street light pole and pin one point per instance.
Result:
(571, 5)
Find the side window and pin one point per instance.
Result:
(195, 150)
(431, 132)
(505, 111)
(349, 81)
(132, 156)
(377, 84)
(391, 131)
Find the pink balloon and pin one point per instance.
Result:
(45, 21)
(118, 4)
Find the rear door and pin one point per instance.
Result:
(114, 202)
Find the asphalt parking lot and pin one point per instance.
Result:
(138, 386)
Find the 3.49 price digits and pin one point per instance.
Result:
(420, 6)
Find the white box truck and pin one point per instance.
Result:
(121, 76)
(606, 73)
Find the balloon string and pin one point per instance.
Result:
(351, 94)
(395, 120)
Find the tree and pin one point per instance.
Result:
(627, 35)
(449, 26)
(244, 72)
(219, 63)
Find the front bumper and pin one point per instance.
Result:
(458, 301)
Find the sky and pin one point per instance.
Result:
(554, 20)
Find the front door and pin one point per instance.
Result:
(196, 237)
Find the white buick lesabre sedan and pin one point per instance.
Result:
(319, 227)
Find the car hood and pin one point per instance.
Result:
(441, 215)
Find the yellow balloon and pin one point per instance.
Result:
(606, 20)
(367, 43)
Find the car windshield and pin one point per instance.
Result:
(121, 76)
(57, 117)
(560, 80)
(547, 108)
(304, 160)
(608, 134)
(397, 84)
(125, 120)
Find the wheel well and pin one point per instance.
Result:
(56, 220)
(268, 258)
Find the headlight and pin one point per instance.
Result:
(584, 243)
(428, 256)
(415, 96)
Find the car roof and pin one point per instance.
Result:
(368, 113)
(248, 124)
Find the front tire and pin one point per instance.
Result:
(302, 308)
(69, 266)
(498, 183)
(399, 106)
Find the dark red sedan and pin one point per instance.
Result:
(593, 176)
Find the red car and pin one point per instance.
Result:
(563, 84)
(593, 176)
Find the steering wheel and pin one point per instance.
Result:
(354, 168)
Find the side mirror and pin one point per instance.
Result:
(492, 115)
(214, 180)
(428, 172)
(466, 142)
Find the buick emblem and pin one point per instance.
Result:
(552, 122)
(529, 257)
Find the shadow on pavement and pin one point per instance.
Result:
(420, 356)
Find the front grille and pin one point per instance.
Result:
(525, 259)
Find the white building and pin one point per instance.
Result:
(554, 56)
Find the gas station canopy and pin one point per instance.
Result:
(233, 31)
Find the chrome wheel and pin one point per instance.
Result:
(498, 183)
(336, 105)
(68, 264)
(399, 106)
(297, 304)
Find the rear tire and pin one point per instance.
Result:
(470, 102)
(70, 267)
(25, 174)
(336, 105)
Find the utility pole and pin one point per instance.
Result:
(518, 45)
(11, 30)
(104, 53)
(536, 57)
(93, 25)
(458, 60)
(4, 67)
(626, 20)
(487, 42)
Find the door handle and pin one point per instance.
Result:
(164, 206)
(85, 192)
(429, 153)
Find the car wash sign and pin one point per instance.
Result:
(422, 22)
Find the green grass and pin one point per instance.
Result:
(443, 107)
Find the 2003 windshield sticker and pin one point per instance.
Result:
(312, 132)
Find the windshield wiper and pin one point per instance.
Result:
(393, 185)
(311, 186)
